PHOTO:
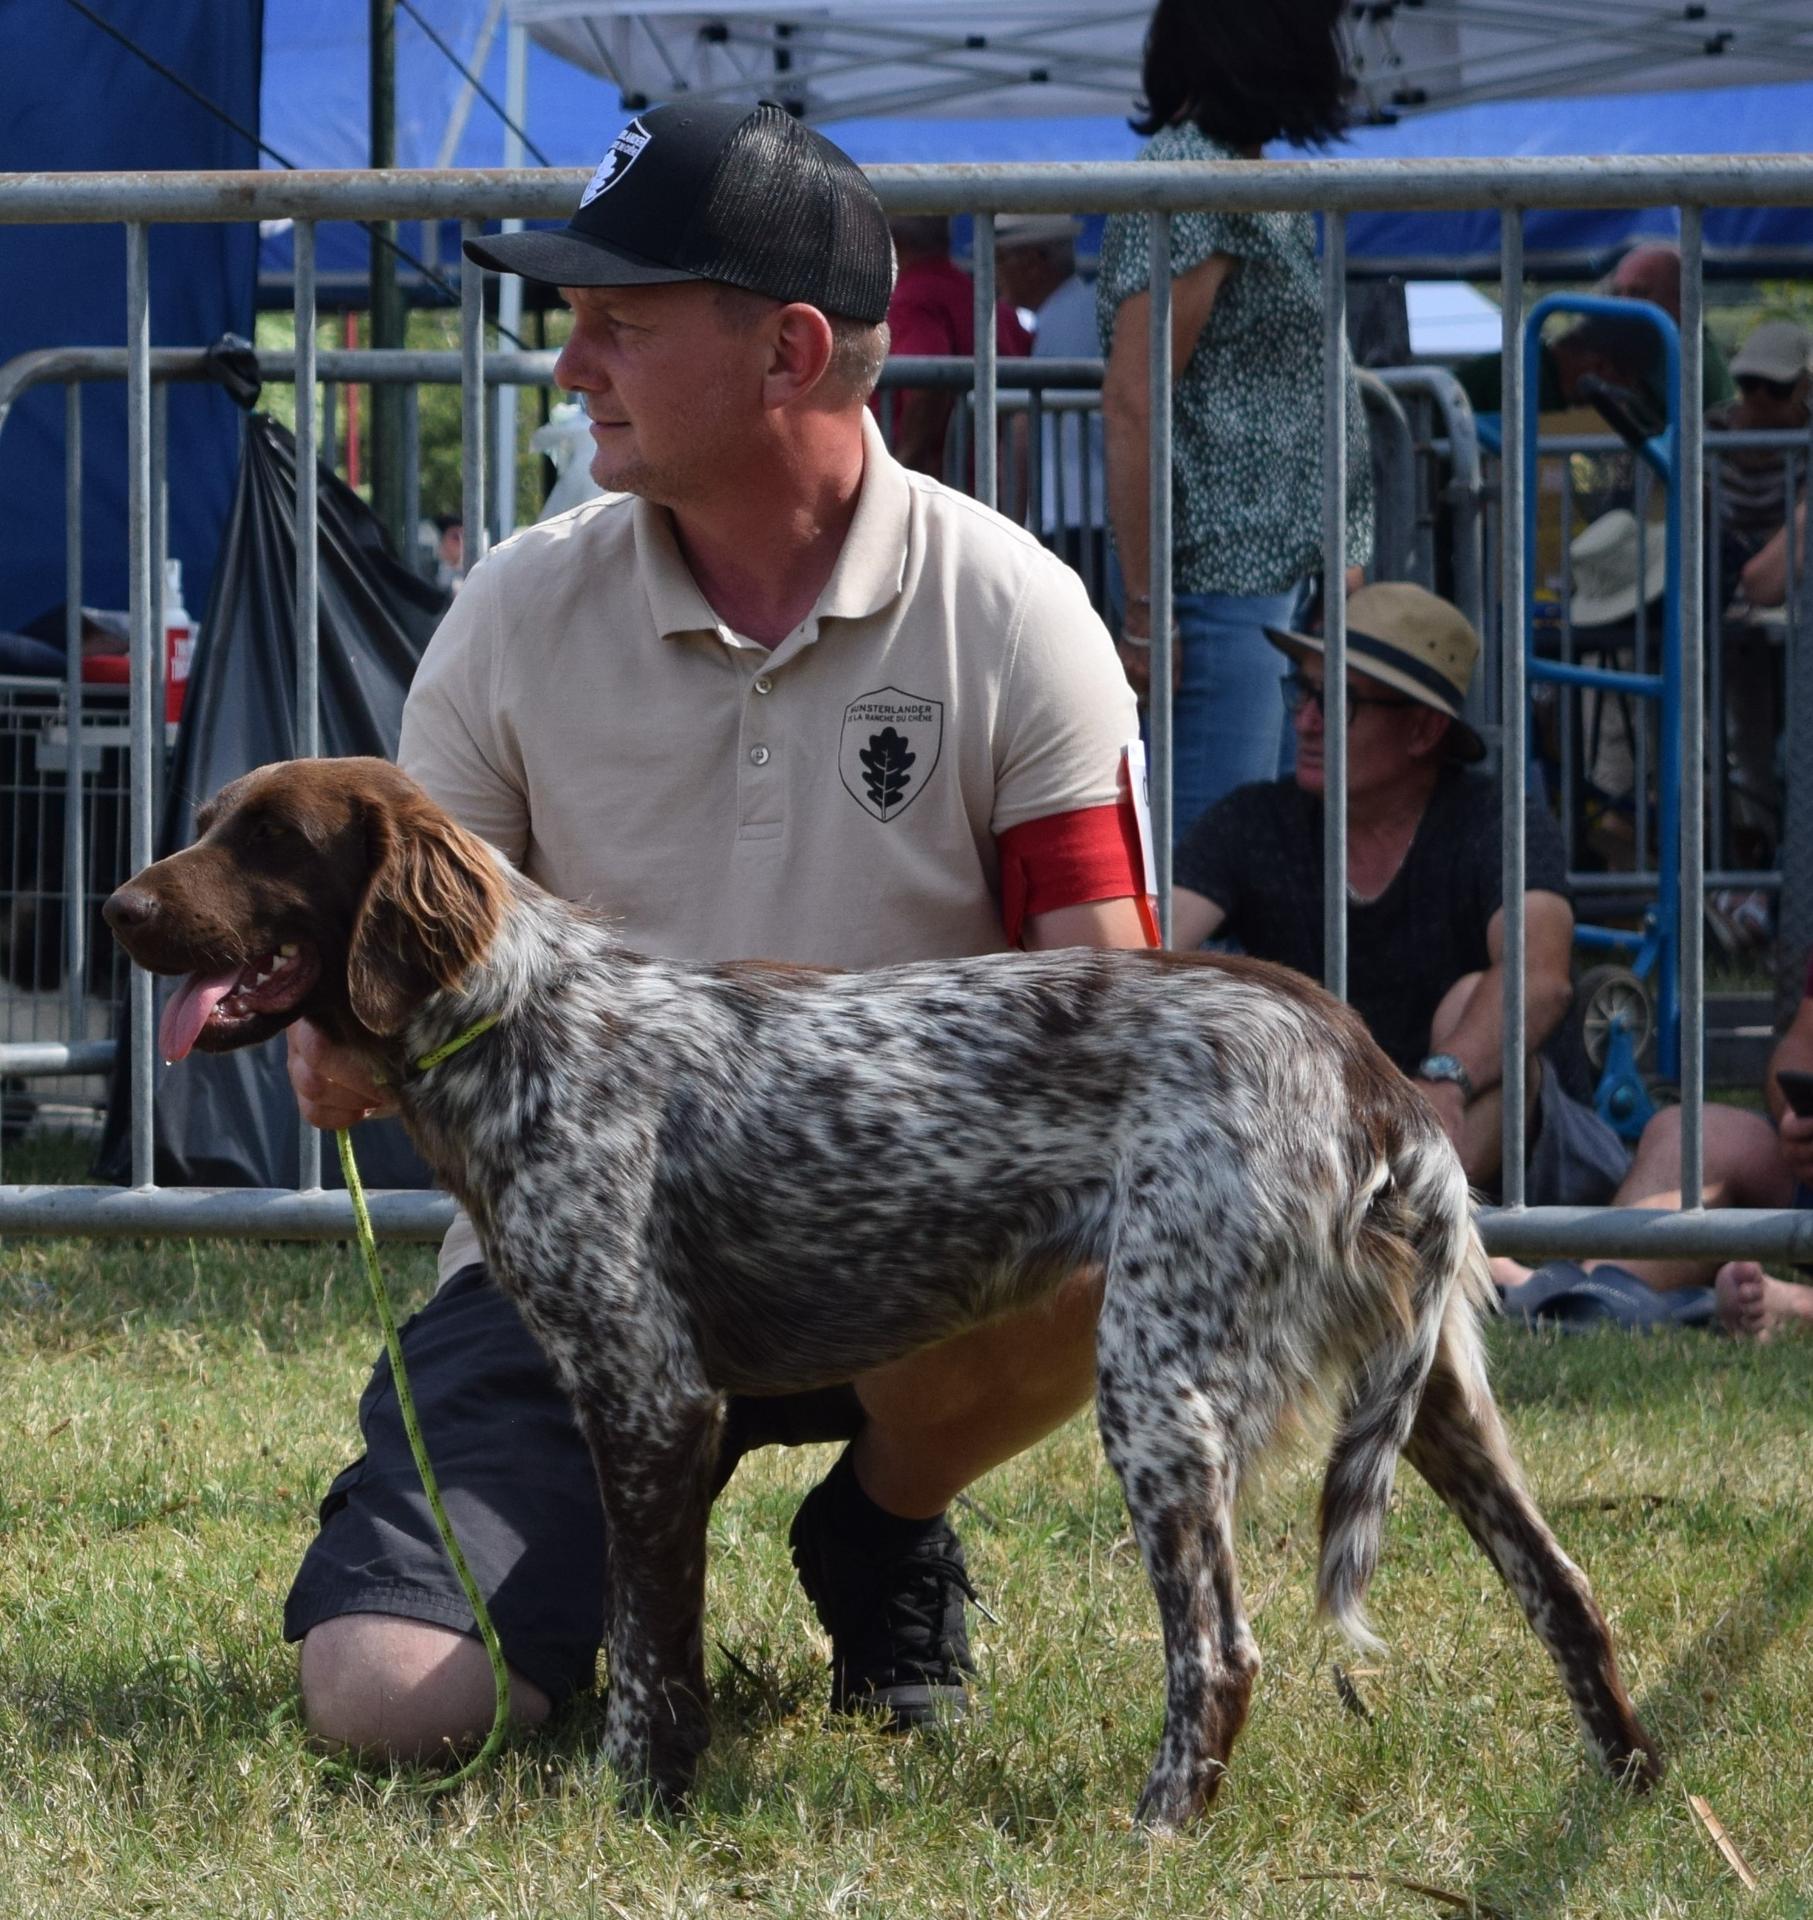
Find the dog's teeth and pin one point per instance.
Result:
(288, 951)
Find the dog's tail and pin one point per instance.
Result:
(1417, 1243)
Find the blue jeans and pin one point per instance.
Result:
(1228, 723)
(1229, 727)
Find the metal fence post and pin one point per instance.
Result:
(1334, 604)
(1689, 505)
(472, 400)
(75, 918)
(143, 604)
(982, 250)
(1516, 563)
(1161, 786)
(308, 560)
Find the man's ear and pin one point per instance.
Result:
(799, 356)
(432, 907)
(1429, 732)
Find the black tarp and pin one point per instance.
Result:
(230, 1119)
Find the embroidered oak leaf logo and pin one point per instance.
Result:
(889, 750)
(886, 769)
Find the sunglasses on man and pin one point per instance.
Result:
(1298, 690)
(1750, 383)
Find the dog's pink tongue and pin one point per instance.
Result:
(187, 1011)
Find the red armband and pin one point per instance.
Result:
(1069, 859)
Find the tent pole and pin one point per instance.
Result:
(387, 316)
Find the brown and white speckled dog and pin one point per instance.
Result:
(706, 1179)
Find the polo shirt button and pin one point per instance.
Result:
(764, 684)
(758, 756)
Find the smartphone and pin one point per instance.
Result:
(1797, 1089)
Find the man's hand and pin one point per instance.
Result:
(1450, 1104)
(1795, 1133)
(333, 1084)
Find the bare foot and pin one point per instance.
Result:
(1754, 1305)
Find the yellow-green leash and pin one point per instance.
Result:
(393, 1345)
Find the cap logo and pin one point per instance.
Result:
(617, 162)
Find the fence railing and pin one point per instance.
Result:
(1332, 189)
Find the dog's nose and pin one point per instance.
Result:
(130, 909)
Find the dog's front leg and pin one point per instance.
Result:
(654, 1449)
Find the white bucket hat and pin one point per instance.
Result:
(1604, 560)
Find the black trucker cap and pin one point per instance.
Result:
(716, 191)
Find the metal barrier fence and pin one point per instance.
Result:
(1333, 189)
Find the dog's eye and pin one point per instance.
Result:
(269, 827)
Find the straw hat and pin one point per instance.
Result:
(1411, 640)
(1604, 560)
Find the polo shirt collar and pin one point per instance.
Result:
(673, 594)
(871, 565)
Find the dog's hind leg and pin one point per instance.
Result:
(1171, 1441)
(1458, 1445)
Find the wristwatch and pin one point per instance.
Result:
(1444, 1066)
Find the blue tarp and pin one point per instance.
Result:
(1746, 241)
(315, 113)
(71, 98)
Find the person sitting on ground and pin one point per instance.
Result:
(1772, 374)
(1764, 580)
(1425, 920)
(1748, 1159)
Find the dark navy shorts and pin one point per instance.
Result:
(517, 1481)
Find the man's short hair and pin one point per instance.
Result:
(858, 348)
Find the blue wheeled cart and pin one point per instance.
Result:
(1621, 1002)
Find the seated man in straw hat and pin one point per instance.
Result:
(1425, 921)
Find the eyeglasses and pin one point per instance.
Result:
(1775, 389)
(1299, 692)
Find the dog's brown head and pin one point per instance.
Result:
(334, 889)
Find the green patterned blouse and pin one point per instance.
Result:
(1247, 408)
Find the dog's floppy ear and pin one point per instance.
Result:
(432, 907)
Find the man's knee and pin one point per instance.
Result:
(405, 1689)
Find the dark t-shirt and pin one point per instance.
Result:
(1258, 855)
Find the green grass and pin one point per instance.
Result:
(172, 1412)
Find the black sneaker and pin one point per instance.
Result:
(899, 1641)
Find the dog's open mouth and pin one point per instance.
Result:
(219, 1004)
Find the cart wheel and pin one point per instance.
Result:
(1608, 994)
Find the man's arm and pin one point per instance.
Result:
(1127, 420)
(1092, 923)
(1477, 1042)
(1194, 919)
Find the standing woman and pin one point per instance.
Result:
(1221, 78)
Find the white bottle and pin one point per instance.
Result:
(179, 640)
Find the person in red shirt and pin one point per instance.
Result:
(933, 311)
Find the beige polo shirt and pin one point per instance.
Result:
(833, 799)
